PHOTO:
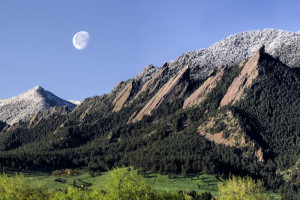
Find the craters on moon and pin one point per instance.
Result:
(81, 40)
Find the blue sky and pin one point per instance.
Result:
(125, 36)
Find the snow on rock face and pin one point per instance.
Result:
(27, 104)
(235, 48)
(74, 102)
(146, 74)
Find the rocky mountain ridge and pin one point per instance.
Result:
(230, 51)
(29, 103)
(281, 44)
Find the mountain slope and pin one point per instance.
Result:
(265, 98)
(27, 104)
(173, 89)
(270, 107)
(200, 94)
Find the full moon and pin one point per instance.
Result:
(81, 39)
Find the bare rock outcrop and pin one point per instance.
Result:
(140, 83)
(200, 94)
(57, 110)
(217, 138)
(146, 74)
(173, 86)
(123, 96)
(153, 83)
(226, 129)
(244, 80)
(123, 92)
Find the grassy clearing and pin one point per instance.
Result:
(203, 182)
(199, 183)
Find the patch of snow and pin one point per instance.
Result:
(74, 102)
(146, 74)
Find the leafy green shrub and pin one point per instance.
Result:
(77, 194)
(19, 189)
(124, 184)
(121, 184)
(242, 188)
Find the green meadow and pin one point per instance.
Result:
(200, 182)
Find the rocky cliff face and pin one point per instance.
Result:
(124, 91)
(226, 129)
(244, 80)
(123, 96)
(175, 88)
(199, 95)
(155, 82)
(146, 74)
(52, 112)
(29, 103)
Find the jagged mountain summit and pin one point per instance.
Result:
(231, 51)
(281, 44)
(27, 104)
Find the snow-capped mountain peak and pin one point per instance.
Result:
(281, 44)
(28, 103)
